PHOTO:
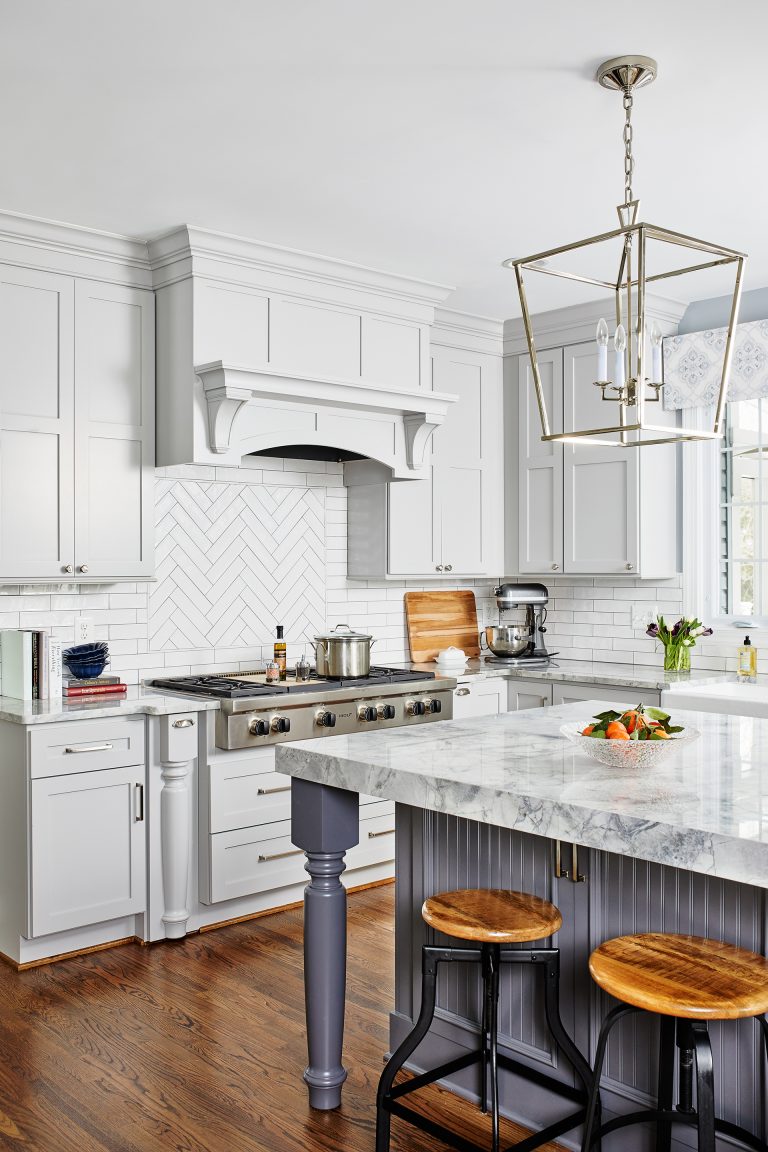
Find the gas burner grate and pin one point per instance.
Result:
(232, 687)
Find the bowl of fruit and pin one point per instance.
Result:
(637, 738)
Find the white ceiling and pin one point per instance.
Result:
(427, 137)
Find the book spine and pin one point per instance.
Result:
(105, 689)
(77, 682)
(35, 665)
(54, 668)
(44, 661)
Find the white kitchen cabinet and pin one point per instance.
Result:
(528, 694)
(479, 698)
(564, 693)
(587, 508)
(244, 831)
(86, 833)
(76, 428)
(447, 525)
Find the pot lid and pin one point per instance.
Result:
(344, 632)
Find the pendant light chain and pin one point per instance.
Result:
(629, 160)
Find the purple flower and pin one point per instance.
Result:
(707, 632)
(677, 629)
(652, 630)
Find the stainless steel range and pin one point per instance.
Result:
(254, 713)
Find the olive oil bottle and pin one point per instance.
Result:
(279, 653)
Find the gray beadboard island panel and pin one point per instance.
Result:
(681, 847)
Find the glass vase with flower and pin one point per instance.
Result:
(677, 640)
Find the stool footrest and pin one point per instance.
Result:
(675, 1117)
(425, 1078)
(448, 1136)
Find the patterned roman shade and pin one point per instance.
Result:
(693, 365)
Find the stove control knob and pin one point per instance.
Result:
(366, 713)
(281, 724)
(386, 711)
(414, 708)
(433, 706)
(258, 728)
(325, 719)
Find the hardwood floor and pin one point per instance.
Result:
(196, 1046)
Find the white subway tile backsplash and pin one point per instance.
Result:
(241, 550)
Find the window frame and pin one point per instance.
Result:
(701, 472)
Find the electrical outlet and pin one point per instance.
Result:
(83, 630)
(641, 615)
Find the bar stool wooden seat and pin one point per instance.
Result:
(687, 981)
(488, 918)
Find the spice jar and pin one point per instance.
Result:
(273, 672)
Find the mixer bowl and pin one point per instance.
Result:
(506, 639)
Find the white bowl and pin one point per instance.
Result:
(628, 753)
(450, 659)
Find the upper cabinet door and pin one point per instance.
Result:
(114, 431)
(36, 425)
(601, 515)
(541, 468)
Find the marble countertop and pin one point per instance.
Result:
(704, 808)
(136, 700)
(650, 677)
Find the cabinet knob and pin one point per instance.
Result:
(67, 567)
(555, 567)
(83, 568)
(630, 567)
(449, 567)
(438, 567)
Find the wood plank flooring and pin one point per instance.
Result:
(194, 1046)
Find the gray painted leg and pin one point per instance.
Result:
(324, 822)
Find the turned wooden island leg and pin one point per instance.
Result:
(325, 823)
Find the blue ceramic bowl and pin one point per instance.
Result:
(86, 670)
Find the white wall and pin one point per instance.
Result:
(231, 565)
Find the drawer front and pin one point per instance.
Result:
(377, 836)
(86, 746)
(241, 798)
(479, 698)
(251, 860)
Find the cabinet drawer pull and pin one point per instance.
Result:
(463, 692)
(90, 748)
(185, 723)
(438, 567)
(280, 855)
(139, 802)
(449, 567)
(83, 568)
(271, 791)
(384, 832)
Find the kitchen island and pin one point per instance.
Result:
(496, 802)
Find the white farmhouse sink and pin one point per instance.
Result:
(729, 696)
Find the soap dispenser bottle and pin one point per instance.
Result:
(746, 669)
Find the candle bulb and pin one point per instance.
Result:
(656, 368)
(619, 344)
(602, 350)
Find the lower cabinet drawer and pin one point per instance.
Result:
(377, 836)
(86, 746)
(250, 860)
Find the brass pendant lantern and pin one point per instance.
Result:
(637, 376)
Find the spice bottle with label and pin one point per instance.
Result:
(746, 667)
(279, 652)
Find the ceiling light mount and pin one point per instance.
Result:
(636, 378)
(625, 73)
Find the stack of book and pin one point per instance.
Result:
(31, 664)
(101, 688)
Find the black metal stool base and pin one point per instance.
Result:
(490, 957)
(694, 1060)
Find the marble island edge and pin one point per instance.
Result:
(702, 810)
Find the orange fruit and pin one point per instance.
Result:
(616, 731)
(660, 734)
(633, 720)
(589, 729)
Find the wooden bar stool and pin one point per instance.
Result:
(489, 918)
(686, 980)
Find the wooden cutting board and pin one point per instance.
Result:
(438, 620)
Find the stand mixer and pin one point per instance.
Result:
(519, 641)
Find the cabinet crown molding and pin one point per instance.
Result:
(72, 250)
(576, 324)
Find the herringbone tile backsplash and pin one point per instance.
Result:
(241, 550)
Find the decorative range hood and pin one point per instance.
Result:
(347, 415)
(260, 348)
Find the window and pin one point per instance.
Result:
(743, 584)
